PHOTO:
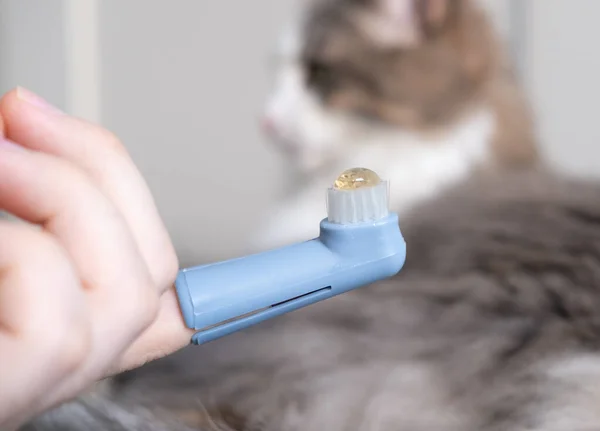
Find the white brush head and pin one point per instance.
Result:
(358, 195)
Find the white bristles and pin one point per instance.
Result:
(358, 205)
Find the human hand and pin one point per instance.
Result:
(91, 292)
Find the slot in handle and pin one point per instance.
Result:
(242, 322)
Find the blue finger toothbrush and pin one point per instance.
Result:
(359, 243)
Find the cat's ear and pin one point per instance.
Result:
(403, 23)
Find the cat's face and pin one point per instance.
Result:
(410, 64)
(295, 118)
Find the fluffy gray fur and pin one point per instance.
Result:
(493, 325)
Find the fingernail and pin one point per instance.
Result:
(8, 145)
(35, 100)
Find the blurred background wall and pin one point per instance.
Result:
(182, 83)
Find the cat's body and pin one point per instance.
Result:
(493, 325)
(494, 322)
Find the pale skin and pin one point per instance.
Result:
(91, 292)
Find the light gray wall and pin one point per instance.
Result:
(563, 77)
(32, 47)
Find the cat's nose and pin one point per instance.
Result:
(267, 125)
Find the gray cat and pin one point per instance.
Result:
(493, 324)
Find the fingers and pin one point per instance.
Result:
(33, 123)
(42, 317)
(45, 190)
(1, 126)
(77, 181)
(167, 334)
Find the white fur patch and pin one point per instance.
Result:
(571, 399)
(417, 169)
(394, 24)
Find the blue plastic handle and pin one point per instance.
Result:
(225, 297)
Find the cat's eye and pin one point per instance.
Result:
(317, 72)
